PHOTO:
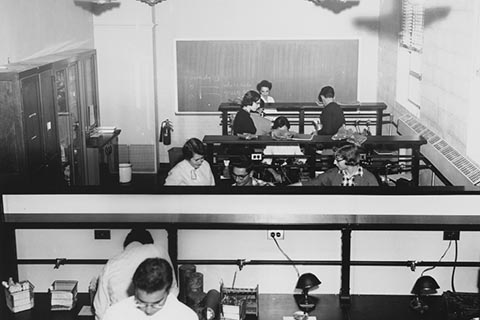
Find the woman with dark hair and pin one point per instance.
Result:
(264, 87)
(262, 124)
(193, 170)
(243, 122)
(348, 171)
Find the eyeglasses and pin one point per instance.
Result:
(239, 176)
(156, 305)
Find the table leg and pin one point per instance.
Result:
(301, 121)
(378, 130)
(415, 165)
(224, 123)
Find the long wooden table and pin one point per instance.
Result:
(271, 307)
(408, 142)
(304, 108)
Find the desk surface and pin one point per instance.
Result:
(272, 307)
(413, 140)
(307, 106)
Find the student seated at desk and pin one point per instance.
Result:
(193, 170)
(243, 122)
(348, 171)
(332, 117)
(264, 87)
(242, 173)
(262, 124)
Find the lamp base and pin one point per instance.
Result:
(418, 305)
(307, 303)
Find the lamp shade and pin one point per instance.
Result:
(425, 285)
(307, 281)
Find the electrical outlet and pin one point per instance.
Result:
(256, 156)
(451, 235)
(277, 234)
(102, 234)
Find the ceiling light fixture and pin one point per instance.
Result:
(151, 2)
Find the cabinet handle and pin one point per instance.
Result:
(32, 115)
(33, 138)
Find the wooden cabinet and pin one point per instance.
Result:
(29, 150)
(48, 107)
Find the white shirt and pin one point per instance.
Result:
(115, 281)
(183, 174)
(172, 310)
(269, 99)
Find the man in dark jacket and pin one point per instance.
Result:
(332, 117)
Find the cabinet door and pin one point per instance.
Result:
(31, 118)
(49, 123)
(77, 134)
(91, 100)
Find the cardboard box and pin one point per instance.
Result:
(20, 300)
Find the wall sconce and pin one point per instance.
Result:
(306, 282)
(424, 286)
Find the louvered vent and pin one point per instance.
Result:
(458, 169)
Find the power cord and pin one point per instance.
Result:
(443, 255)
(454, 266)
(286, 256)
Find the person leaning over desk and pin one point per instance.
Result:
(243, 122)
(115, 281)
(153, 298)
(193, 170)
(332, 117)
(348, 171)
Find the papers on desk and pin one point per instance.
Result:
(106, 129)
(302, 137)
(85, 311)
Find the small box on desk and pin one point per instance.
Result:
(19, 297)
(63, 294)
(238, 303)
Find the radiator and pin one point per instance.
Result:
(457, 168)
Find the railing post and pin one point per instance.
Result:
(345, 272)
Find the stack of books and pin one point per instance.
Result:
(63, 294)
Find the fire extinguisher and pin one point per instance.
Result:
(166, 129)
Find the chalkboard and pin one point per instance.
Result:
(212, 72)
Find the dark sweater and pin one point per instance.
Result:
(332, 119)
(243, 123)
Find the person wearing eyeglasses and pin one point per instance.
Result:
(193, 170)
(348, 171)
(152, 300)
(242, 174)
(243, 122)
(115, 281)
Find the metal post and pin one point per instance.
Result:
(345, 273)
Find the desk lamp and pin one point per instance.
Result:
(306, 282)
(424, 286)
